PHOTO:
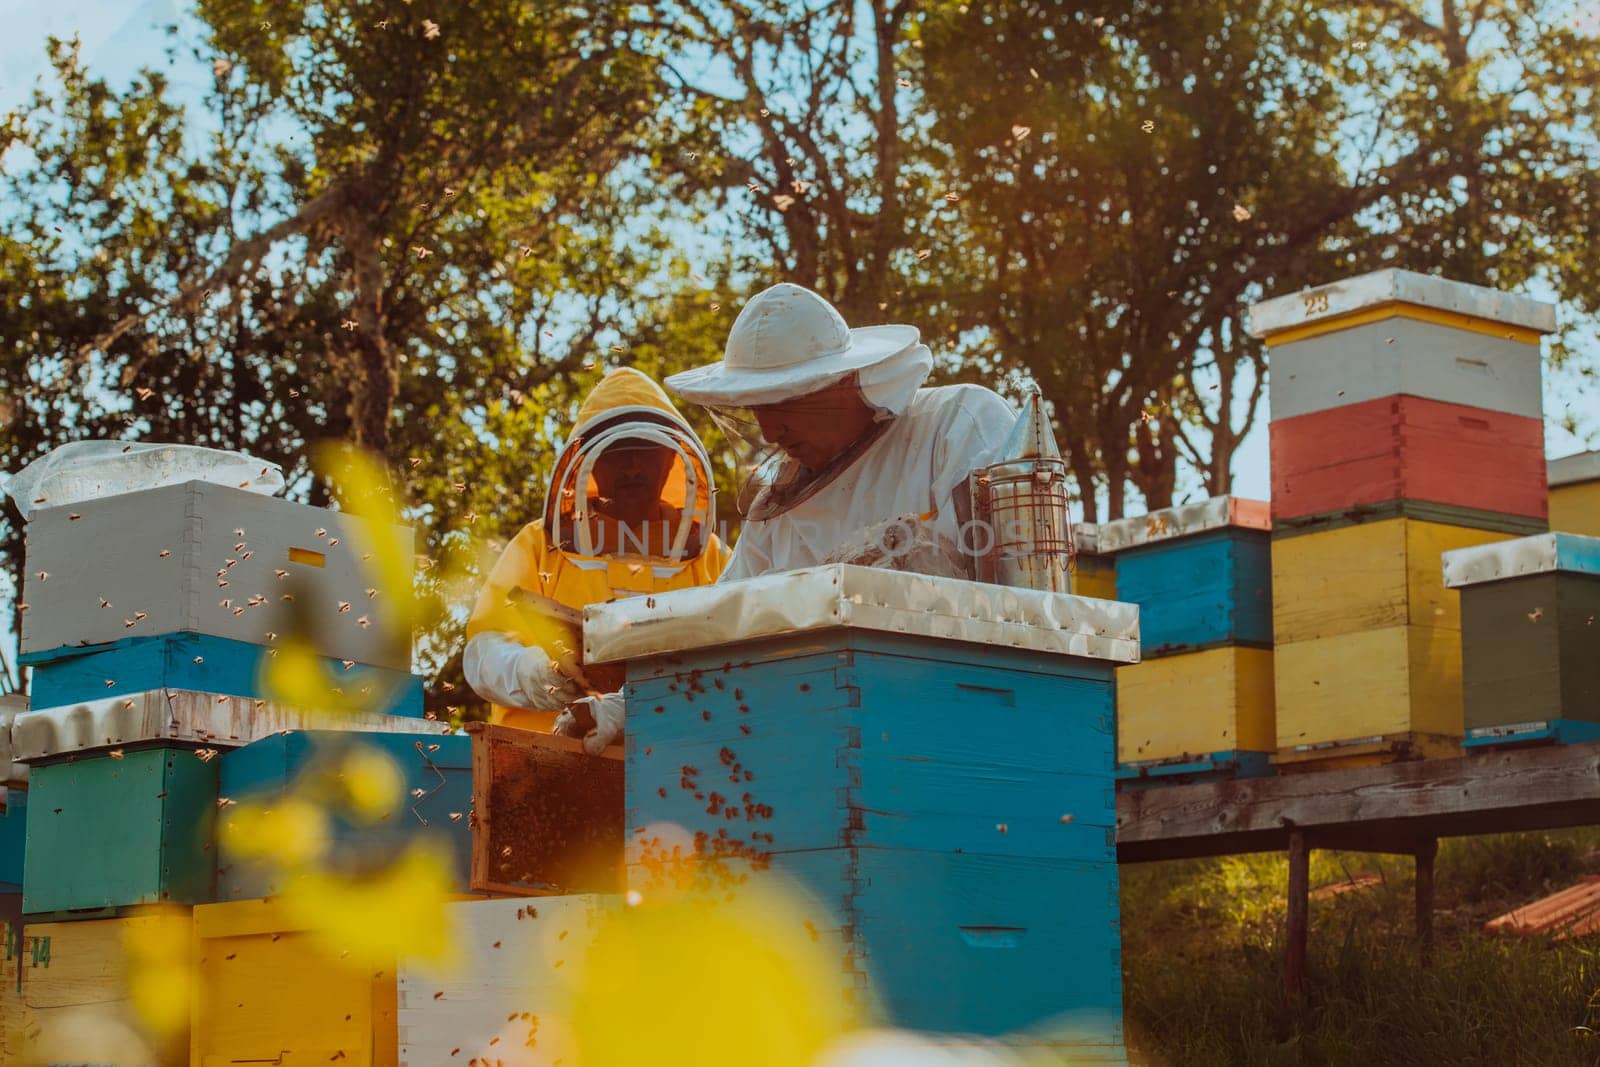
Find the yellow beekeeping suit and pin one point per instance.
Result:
(547, 557)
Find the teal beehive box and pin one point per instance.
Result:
(123, 791)
(13, 837)
(120, 828)
(929, 760)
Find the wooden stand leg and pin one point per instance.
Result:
(1425, 857)
(1294, 957)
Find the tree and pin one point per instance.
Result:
(376, 228)
(793, 114)
(1133, 179)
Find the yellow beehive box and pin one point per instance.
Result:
(1358, 688)
(1369, 576)
(1093, 574)
(1195, 704)
(1575, 494)
(271, 992)
(11, 993)
(81, 981)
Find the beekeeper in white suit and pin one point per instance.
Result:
(872, 467)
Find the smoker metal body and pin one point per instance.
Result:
(1020, 505)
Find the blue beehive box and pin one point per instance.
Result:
(1200, 704)
(201, 662)
(931, 759)
(1201, 574)
(13, 838)
(438, 767)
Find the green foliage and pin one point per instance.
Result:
(1203, 961)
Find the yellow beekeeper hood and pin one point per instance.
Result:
(626, 406)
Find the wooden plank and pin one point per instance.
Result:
(1371, 683)
(1471, 457)
(1407, 448)
(1424, 889)
(505, 997)
(1569, 911)
(1196, 703)
(1297, 921)
(547, 816)
(1402, 355)
(1575, 508)
(1391, 806)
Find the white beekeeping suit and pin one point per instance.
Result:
(909, 470)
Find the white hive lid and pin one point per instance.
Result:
(184, 715)
(840, 595)
(1185, 520)
(1570, 470)
(1538, 554)
(1394, 285)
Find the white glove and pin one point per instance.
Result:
(608, 715)
(503, 670)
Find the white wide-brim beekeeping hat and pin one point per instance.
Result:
(789, 342)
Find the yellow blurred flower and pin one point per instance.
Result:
(161, 973)
(367, 493)
(291, 832)
(298, 676)
(372, 784)
(683, 979)
(370, 920)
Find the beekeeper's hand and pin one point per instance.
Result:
(547, 686)
(607, 710)
(503, 670)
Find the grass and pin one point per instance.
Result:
(1203, 961)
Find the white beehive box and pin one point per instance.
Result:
(12, 773)
(1396, 331)
(505, 1000)
(152, 558)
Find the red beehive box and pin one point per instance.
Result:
(1406, 448)
(1399, 394)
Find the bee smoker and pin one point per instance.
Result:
(1020, 505)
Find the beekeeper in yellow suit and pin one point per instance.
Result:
(631, 509)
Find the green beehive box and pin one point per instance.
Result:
(1530, 637)
(110, 831)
